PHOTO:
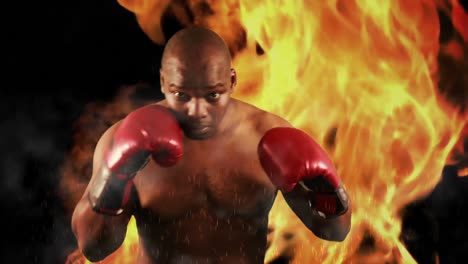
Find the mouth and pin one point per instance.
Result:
(198, 131)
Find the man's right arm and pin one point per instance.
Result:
(101, 217)
(99, 235)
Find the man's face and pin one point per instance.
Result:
(199, 91)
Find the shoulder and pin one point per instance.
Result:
(262, 120)
(267, 121)
(162, 103)
(105, 140)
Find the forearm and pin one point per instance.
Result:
(101, 217)
(98, 235)
(333, 229)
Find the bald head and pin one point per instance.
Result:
(195, 45)
(197, 80)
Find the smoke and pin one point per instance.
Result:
(34, 140)
(96, 118)
(59, 57)
(39, 156)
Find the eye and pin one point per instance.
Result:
(180, 95)
(214, 95)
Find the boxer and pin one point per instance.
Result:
(200, 170)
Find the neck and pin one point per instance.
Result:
(229, 120)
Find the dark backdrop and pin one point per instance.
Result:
(59, 56)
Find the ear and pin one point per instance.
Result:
(161, 80)
(233, 79)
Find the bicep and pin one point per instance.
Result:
(102, 145)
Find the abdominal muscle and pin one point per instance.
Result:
(202, 236)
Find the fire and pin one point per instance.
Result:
(128, 252)
(361, 78)
(368, 71)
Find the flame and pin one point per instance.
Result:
(126, 253)
(359, 77)
(460, 19)
(148, 14)
(368, 71)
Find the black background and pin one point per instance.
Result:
(60, 56)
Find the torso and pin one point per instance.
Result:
(212, 207)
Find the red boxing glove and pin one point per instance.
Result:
(149, 131)
(289, 156)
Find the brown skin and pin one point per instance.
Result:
(212, 206)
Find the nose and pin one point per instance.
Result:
(197, 108)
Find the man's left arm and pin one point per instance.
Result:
(334, 228)
(304, 173)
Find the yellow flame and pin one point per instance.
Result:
(128, 251)
(366, 68)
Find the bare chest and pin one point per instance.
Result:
(224, 179)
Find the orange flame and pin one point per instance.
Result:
(148, 14)
(365, 70)
(369, 71)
